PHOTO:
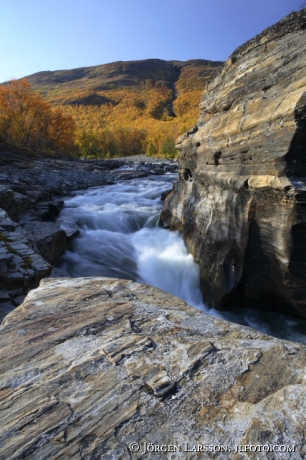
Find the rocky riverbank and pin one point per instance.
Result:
(31, 197)
(240, 199)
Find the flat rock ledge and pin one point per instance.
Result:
(90, 365)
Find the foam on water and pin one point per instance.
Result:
(120, 237)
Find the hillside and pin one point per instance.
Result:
(129, 107)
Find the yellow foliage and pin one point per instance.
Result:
(118, 109)
(28, 121)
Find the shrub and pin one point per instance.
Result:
(26, 120)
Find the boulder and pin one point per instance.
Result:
(49, 238)
(241, 194)
(49, 211)
(13, 202)
(89, 366)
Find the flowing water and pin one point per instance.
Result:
(120, 238)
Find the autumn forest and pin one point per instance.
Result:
(112, 110)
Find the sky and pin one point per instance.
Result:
(37, 35)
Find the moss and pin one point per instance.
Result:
(28, 262)
(4, 238)
(10, 249)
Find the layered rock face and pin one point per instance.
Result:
(89, 366)
(240, 199)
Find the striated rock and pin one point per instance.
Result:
(240, 199)
(21, 268)
(90, 365)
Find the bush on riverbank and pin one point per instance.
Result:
(27, 121)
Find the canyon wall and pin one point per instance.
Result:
(241, 194)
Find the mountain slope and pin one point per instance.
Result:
(137, 75)
(141, 105)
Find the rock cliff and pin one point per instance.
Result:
(89, 366)
(240, 199)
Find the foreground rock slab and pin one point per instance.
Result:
(90, 365)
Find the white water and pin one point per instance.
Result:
(120, 237)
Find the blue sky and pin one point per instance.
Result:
(38, 35)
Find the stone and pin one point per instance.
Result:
(18, 300)
(4, 177)
(40, 267)
(3, 266)
(5, 309)
(165, 194)
(6, 223)
(49, 211)
(6, 196)
(240, 198)
(49, 238)
(55, 208)
(17, 292)
(90, 365)
(20, 267)
(4, 295)
(14, 203)
(15, 279)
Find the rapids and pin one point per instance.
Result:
(120, 238)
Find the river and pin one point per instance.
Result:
(120, 238)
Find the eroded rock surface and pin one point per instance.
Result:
(90, 365)
(240, 199)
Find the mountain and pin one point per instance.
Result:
(63, 86)
(147, 103)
